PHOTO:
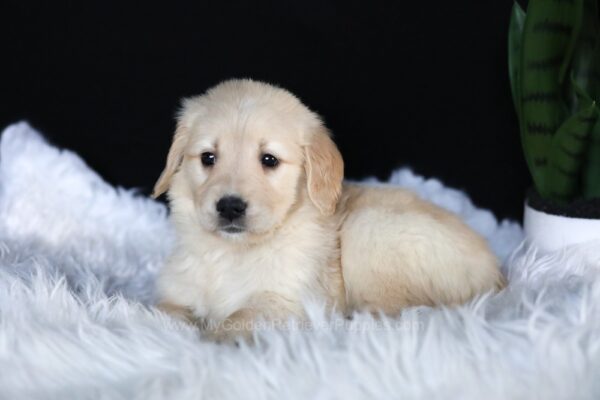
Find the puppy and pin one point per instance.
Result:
(265, 222)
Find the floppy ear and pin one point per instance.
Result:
(324, 172)
(173, 160)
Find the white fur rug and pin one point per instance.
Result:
(77, 264)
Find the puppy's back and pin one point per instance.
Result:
(398, 250)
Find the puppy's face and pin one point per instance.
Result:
(243, 170)
(243, 158)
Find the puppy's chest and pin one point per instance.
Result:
(228, 280)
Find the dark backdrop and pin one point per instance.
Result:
(416, 83)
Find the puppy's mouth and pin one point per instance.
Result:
(232, 228)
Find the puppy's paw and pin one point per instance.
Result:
(177, 311)
(235, 329)
(235, 338)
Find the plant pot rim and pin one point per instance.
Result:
(576, 209)
(550, 232)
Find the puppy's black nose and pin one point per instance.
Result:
(231, 207)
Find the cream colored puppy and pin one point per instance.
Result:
(265, 223)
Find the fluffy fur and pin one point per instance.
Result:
(78, 261)
(306, 234)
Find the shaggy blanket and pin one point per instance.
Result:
(78, 260)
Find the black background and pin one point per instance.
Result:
(420, 84)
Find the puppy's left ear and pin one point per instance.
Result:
(324, 171)
(174, 159)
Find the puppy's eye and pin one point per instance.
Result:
(208, 159)
(269, 160)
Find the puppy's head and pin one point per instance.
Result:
(244, 156)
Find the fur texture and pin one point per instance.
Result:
(78, 260)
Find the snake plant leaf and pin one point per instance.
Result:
(569, 149)
(586, 77)
(591, 174)
(515, 35)
(545, 45)
(585, 66)
(573, 40)
(582, 99)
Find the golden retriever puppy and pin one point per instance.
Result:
(265, 222)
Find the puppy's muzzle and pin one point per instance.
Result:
(231, 209)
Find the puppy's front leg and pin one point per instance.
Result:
(268, 307)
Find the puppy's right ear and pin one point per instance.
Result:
(174, 159)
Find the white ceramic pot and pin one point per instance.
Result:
(553, 232)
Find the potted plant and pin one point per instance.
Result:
(554, 69)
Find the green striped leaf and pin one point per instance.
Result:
(574, 41)
(569, 148)
(546, 41)
(591, 173)
(515, 35)
(585, 66)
